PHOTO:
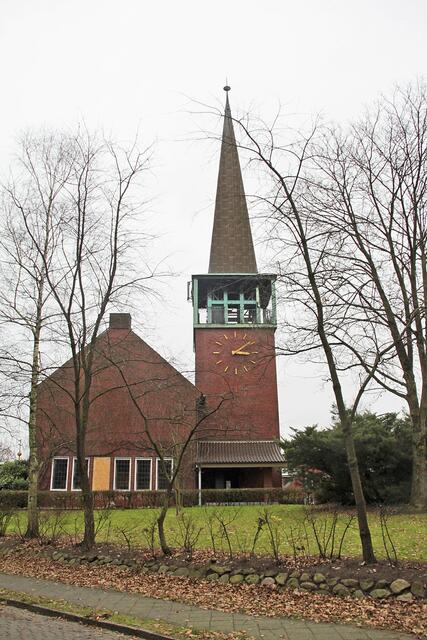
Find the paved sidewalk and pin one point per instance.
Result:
(17, 624)
(179, 614)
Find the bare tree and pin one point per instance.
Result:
(95, 263)
(309, 253)
(371, 186)
(33, 199)
(349, 224)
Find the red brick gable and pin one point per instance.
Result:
(167, 399)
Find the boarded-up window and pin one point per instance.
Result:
(101, 474)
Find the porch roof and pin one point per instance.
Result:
(239, 452)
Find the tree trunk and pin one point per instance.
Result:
(34, 465)
(88, 541)
(33, 473)
(87, 495)
(419, 452)
(32, 503)
(346, 426)
(161, 521)
(359, 498)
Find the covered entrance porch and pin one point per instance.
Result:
(235, 477)
(234, 464)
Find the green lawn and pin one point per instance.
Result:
(408, 532)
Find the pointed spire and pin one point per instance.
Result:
(232, 249)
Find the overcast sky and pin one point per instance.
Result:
(138, 64)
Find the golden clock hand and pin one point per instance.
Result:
(245, 345)
(237, 352)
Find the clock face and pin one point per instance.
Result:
(234, 353)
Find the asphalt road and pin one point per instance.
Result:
(18, 624)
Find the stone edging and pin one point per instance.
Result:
(275, 578)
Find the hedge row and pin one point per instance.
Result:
(135, 499)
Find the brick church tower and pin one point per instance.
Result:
(234, 317)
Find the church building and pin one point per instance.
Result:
(232, 408)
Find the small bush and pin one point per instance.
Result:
(187, 533)
(14, 475)
(51, 526)
(5, 518)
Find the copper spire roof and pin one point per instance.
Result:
(232, 249)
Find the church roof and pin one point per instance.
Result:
(222, 452)
(232, 249)
(120, 340)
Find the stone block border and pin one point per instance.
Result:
(274, 578)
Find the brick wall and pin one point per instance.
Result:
(250, 406)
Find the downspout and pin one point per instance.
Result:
(200, 484)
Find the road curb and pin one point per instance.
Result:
(91, 622)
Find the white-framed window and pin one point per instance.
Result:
(142, 474)
(59, 474)
(161, 479)
(75, 482)
(122, 474)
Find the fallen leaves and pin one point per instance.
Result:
(253, 600)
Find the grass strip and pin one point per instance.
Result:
(408, 530)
